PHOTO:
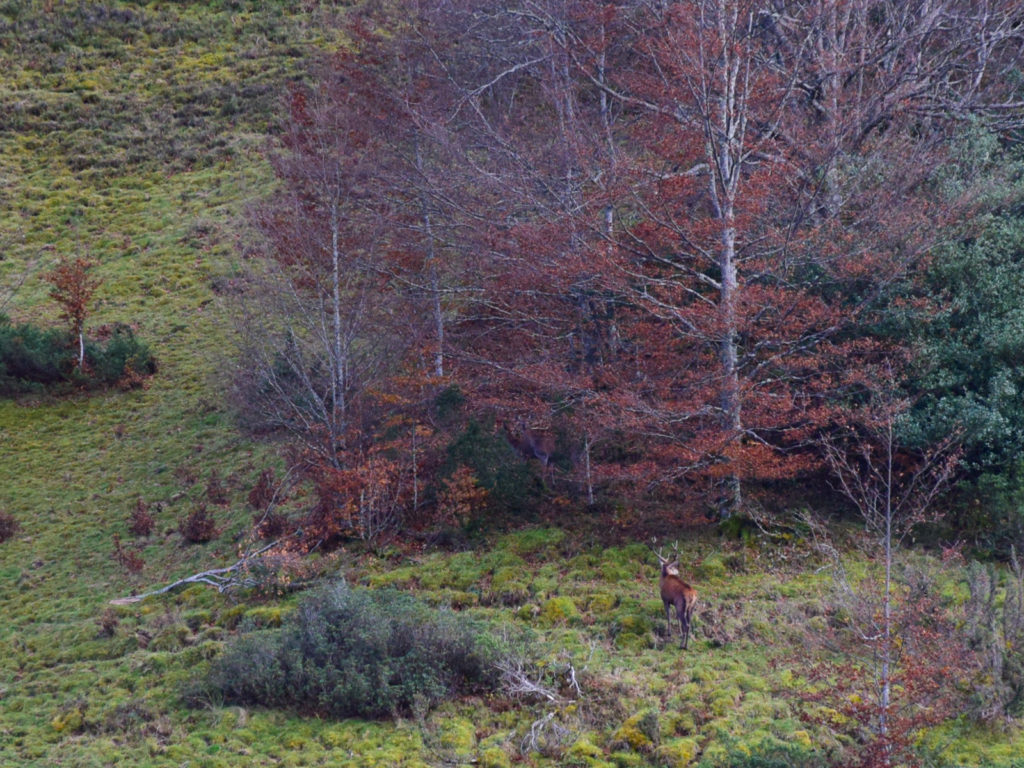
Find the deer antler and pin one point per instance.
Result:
(659, 551)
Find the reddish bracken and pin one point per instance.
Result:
(199, 526)
(140, 521)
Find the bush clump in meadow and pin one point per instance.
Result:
(8, 526)
(140, 521)
(32, 358)
(198, 526)
(216, 491)
(127, 558)
(118, 358)
(357, 653)
(264, 493)
(766, 753)
(36, 360)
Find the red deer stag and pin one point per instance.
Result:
(675, 591)
(530, 443)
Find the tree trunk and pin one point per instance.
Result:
(586, 466)
(338, 375)
(730, 390)
(886, 671)
(437, 308)
(725, 157)
(435, 287)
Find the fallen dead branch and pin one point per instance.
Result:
(222, 579)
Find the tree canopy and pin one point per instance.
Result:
(655, 248)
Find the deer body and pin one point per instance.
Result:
(531, 443)
(676, 592)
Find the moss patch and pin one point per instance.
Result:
(639, 733)
(678, 753)
(559, 611)
(457, 735)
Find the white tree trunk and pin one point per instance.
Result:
(337, 419)
(433, 274)
(730, 390)
(887, 649)
(586, 466)
(725, 157)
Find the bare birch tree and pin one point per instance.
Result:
(892, 491)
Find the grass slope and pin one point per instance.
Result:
(133, 134)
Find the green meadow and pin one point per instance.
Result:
(136, 135)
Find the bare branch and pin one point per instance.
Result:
(222, 579)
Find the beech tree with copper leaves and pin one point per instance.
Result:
(652, 238)
(775, 180)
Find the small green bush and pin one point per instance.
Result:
(558, 611)
(119, 359)
(512, 485)
(31, 358)
(732, 753)
(357, 653)
(36, 359)
(712, 568)
(640, 733)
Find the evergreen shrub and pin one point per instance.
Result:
(34, 359)
(735, 753)
(119, 359)
(357, 653)
(512, 486)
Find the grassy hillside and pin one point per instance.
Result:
(133, 135)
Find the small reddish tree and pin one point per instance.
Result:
(199, 526)
(264, 494)
(216, 491)
(266, 497)
(461, 497)
(929, 682)
(8, 525)
(364, 499)
(140, 521)
(129, 559)
(73, 289)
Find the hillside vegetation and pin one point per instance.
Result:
(135, 135)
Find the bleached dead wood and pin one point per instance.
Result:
(222, 579)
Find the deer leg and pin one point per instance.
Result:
(687, 619)
(681, 615)
(668, 618)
